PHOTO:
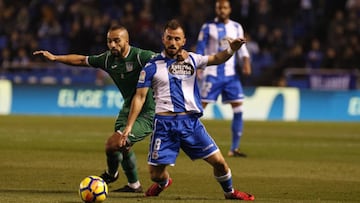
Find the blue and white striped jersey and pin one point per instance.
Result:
(213, 38)
(174, 83)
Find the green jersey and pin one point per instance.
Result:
(125, 74)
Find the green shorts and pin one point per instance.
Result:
(142, 128)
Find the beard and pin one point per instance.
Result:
(115, 52)
(172, 51)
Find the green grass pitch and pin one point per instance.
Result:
(43, 159)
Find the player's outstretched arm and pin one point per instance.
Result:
(70, 59)
(223, 56)
(136, 106)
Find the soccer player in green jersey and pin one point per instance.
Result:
(123, 63)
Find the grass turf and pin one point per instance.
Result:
(43, 159)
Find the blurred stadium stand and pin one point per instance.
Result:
(319, 37)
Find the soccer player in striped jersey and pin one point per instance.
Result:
(224, 79)
(178, 110)
(123, 63)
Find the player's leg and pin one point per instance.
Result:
(194, 148)
(163, 150)
(161, 179)
(223, 175)
(141, 129)
(236, 130)
(129, 166)
(233, 94)
(113, 157)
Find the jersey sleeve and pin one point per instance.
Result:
(199, 60)
(243, 51)
(146, 75)
(145, 56)
(97, 61)
(202, 39)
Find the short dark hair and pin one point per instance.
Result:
(116, 27)
(222, 1)
(173, 25)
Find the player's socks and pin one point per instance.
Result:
(113, 160)
(129, 166)
(109, 178)
(226, 182)
(236, 128)
(112, 174)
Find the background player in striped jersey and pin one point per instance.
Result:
(177, 112)
(224, 79)
(123, 63)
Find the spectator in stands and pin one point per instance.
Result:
(49, 28)
(49, 25)
(5, 58)
(21, 59)
(331, 59)
(314, 56)
(334, 24)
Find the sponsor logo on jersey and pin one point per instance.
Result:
(114, 66)
(181, 70)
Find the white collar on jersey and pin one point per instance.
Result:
(127, 54)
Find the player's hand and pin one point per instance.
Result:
(123, 136)
(235, 44)
(46, 54)
(182, 55)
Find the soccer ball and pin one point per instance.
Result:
(93, 189)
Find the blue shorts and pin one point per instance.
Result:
(182, 131)
(229, 87)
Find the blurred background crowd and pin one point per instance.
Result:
(281, 33)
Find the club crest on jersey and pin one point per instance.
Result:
(129, 66)
(181, 70)
(142, 76)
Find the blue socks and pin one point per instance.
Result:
(226, 182)
(236, 128)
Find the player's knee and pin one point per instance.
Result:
(219, 164)
(112, 143)
(237, 107)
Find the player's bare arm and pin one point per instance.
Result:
(246, 69)
(136, 106)
(223, 56)
(70, 59)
